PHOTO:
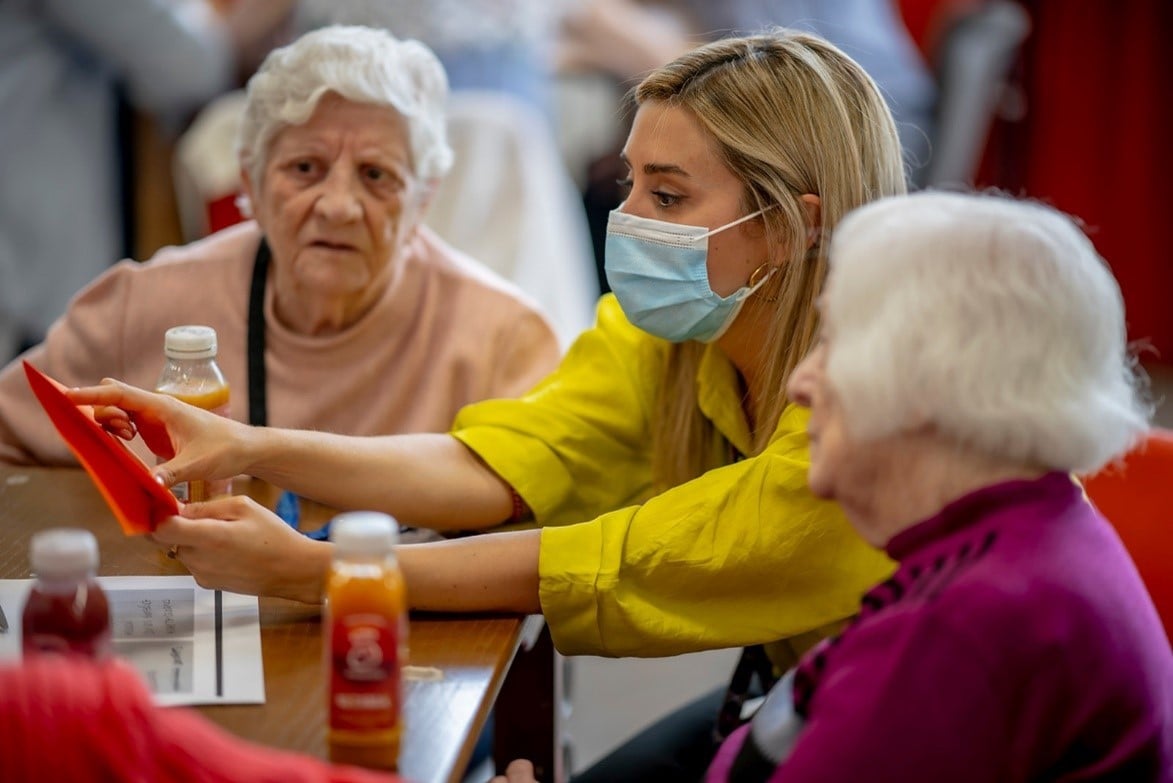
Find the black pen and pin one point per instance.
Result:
(3, 621)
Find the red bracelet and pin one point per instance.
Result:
(520, 510)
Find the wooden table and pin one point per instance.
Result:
(443, 716)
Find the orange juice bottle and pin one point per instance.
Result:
(365, 638)
(191, 374)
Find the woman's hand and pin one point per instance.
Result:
(195, 443)
(518, 771)
(238, 545)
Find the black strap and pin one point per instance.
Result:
(754, 662)
(257, 406)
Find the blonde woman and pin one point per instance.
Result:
(660, 468)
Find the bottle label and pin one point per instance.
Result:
(364, 678)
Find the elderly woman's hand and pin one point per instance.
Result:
(236, 544)
(519, 771)
(194, 443)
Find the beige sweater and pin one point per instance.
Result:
(447, 332)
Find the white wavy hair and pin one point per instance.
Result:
(993, 320)
(361, 64)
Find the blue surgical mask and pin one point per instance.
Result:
(659, 273)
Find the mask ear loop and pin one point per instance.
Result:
(738, 222)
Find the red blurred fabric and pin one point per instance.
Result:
(222, 212)
(68, 719)
(1095, 141)
(1137, 498)
(1095, 135)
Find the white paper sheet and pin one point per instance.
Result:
(192, 646)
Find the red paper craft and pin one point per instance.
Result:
(137, 500)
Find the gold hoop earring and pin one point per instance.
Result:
(758, 275)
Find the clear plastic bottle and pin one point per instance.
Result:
(365, 637)
(192, 375)
(66, 610)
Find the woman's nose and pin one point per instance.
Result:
(339, 201)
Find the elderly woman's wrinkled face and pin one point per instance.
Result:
(830, 446)
(338, 201)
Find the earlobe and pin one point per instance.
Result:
(245, 201)
(814, 217)
(246, 182)
(427, 193)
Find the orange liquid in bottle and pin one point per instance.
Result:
(215, 400)
(366, 622)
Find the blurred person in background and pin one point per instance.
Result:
(62, 66)
(627, 38)
(335, 309)
(499, 45)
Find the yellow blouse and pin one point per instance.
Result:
(744, 554)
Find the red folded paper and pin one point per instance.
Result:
(137, 500)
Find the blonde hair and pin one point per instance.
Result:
(790, 115)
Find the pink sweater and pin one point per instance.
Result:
(447, 332)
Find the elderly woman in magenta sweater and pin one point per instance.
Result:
(972, 357)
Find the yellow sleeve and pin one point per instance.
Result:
(562, 446)
(744, 554)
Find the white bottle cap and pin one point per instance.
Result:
(64, 552)
(364, 533)
(190, 342)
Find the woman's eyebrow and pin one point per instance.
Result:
(665, 168)
(657, 168)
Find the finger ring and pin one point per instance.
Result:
(173, 552)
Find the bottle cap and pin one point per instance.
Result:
(190, 342)
(63, 552)
(364, 533)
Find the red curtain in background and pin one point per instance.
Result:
(1096, 141)
(1096, 136)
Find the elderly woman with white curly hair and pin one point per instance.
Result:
(972, 356)
(336, 308)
